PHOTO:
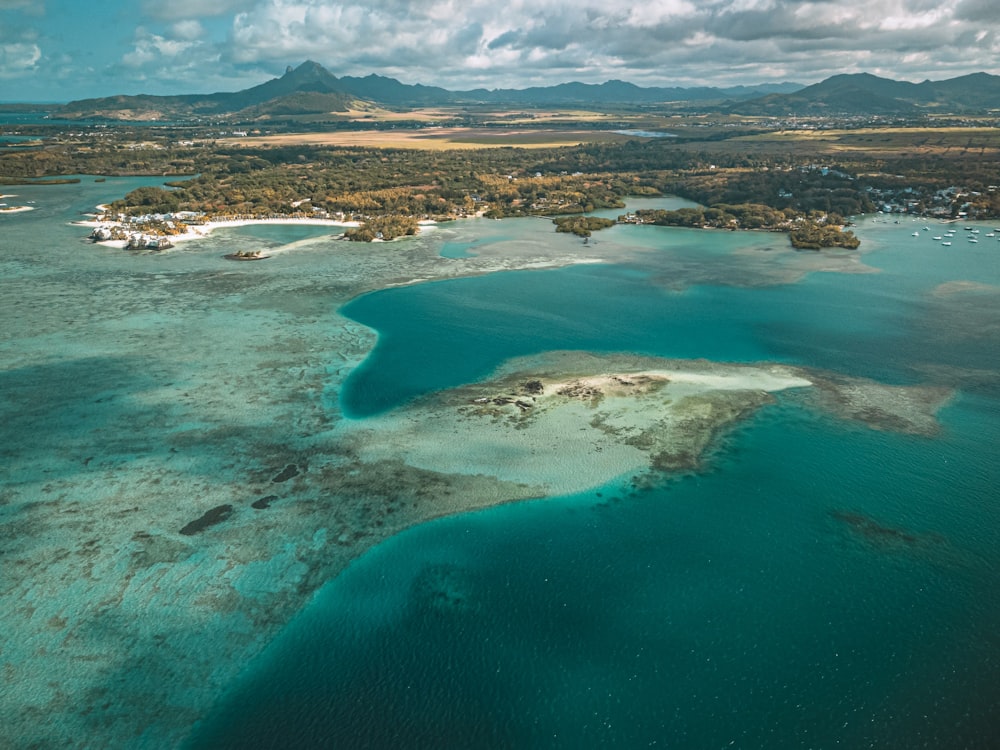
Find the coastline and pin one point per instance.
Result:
(200, 231)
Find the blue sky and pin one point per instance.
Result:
(57, 50)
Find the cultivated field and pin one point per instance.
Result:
(435, 138)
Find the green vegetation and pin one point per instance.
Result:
(383, 228)
(582, 226)
(811, 235)
(806, 232)
(748, 176)
(12, 181)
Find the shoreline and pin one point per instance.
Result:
(201, 231)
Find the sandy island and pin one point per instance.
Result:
(568, 421)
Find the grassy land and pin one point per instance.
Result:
(875, 142)
(435, 139)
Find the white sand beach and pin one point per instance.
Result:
(200, 231)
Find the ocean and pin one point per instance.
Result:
(814, 583)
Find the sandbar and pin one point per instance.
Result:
(569, 421)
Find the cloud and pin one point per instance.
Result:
(18, 58)
(450, 43)
(149, 48)
(190, 45)
(174, 10)
(188, 30)
(978, 11)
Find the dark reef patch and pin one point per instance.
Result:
(216, 515)
(287, 473)
(263, 503)
(880, 536)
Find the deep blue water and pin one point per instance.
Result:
(819, 585)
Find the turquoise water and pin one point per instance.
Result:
(819, 585)
(526, 312)
(468, 248)
(875, 325)
(729, 609)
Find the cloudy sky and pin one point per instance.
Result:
(56, 50)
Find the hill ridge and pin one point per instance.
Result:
(310, 88)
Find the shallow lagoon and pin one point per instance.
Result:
(815, 582)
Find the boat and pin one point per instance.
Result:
(973, 239)
(946, 244)
(939, 237)
(915, 234)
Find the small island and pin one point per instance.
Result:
(813, 230)
(582, 226)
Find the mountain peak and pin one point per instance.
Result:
(309, 66)
(308, 71)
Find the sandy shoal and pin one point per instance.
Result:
(567, 432)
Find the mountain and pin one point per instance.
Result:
(391, 92)
(866, 94)
(311, 89)
(307, 89)
(615, 92)
(309, 78)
